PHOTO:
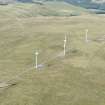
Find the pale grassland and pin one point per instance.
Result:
(77, 79)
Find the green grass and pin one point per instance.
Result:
(77, 79)
(47, 9)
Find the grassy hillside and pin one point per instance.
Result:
(77, 79)
(46, 9)
(89, 4)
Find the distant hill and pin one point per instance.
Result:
(97, 6)
(48, 8)
(5, 2)
(98, 1)
(88, 4)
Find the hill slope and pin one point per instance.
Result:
(77, 79)
(44, 9)
(88, 4)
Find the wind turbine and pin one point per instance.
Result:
(36, 59)
(65, 41)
